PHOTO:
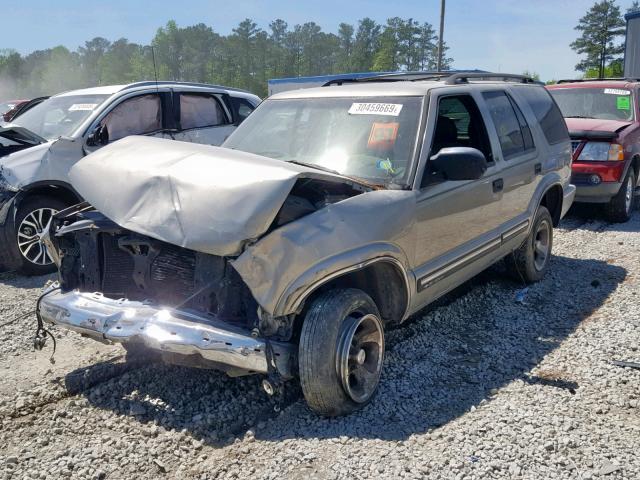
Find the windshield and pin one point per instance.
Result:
(369, 138)
(600, 103)
(59, 116)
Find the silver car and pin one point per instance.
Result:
(329, 214)
(41, 145)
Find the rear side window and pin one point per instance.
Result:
(199, 111)
(513, 131)
(547, 113)
(242, 107)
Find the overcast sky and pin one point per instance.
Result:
(498, 35)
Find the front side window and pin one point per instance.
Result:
(59, 116)
(135, 116)
(600, 103)
(510, 135)
(371, 138)
(199, 111)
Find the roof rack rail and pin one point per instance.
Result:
(457, 78)
(450, 77)
(152, 83)
(389, 77)
(608, 79)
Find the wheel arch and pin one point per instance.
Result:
(60, 190)
(552, 199)
(383, 278)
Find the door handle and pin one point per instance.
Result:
(537, 168)
(498, 185)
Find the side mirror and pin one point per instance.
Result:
(459, 163)
(99, 136)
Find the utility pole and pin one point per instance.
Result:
(440, 46)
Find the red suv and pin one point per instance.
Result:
(603, 120)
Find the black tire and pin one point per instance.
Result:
(620, 207)
(525, 262)
(325, 325)
(26, 207)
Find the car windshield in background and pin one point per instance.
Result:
(59, 116)
(368, 138)
(600, 103)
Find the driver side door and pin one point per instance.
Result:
(457, 222)
(141, 114)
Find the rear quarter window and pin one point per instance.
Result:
(546, 112)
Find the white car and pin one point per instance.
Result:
(37, 151)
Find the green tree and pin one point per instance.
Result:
(345, 48)
(90, 59)
(365, 45)
(530, 74)
(599, 28)
(635, 7)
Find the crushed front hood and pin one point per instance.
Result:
(21, 135)
(204, 198)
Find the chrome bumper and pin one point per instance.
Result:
(164, 330)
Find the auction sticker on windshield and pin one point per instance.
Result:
(392, 109)
(82, 106)
(616, 91)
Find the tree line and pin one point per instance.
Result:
(246, 58)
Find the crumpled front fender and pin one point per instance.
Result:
(286, 265)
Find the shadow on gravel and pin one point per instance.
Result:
(15, 280)
(592, 217)
(446, 360)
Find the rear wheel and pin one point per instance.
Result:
(620, 207)
(341, 352)
(531, 260)
(32, 218)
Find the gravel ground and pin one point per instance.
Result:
(480, 385)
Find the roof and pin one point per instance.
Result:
(626, 83)
(105, 90)
(402, 84)
(111, 89)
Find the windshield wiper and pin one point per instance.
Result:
(316, 166)
(576, 116)
(335, 172)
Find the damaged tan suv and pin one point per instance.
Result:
(329, 214)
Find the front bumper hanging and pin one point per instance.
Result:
(164, 330)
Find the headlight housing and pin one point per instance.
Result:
(601, 152)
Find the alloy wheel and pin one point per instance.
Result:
(360, 356)
(29, 236)
(541, 245)
(628, 197)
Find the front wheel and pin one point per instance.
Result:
(341, 352)
(620, 207)
(530, 262)
(32, 218)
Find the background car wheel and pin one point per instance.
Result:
(341, 352)
(531, 260)
(620, 207)
(32, 218)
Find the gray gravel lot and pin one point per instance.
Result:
(480, 385)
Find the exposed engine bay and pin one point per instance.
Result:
(96, 255)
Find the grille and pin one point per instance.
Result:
(117, 273)
(168, 278)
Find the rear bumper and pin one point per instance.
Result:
(567, 201)
(164, 330)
